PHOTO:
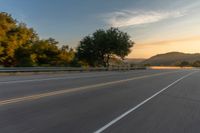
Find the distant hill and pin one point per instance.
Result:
(170, 59)
(134, 60)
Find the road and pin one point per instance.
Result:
(140, 101)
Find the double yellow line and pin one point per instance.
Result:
(54, 93)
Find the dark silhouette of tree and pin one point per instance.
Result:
(97, 49)
(184, 64)
(196, 64)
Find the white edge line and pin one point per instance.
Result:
(139, 105)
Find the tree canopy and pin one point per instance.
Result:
(98, 48)
(21, 46)
(12, 36)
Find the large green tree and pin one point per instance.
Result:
(98, 48)
(46, 52)
(12, 36)
(21, 46)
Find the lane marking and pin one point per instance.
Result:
(53, 93)
(55, 78)
(139, 105)
(47, 79)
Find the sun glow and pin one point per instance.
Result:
(146, 50)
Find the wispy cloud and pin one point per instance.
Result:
(130, 18)
(172, 41)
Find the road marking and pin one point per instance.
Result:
(53, 93)
(140, 104)
(55, 78)
(47, 79)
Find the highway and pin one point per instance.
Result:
(139, 101)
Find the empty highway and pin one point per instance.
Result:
(140, 101)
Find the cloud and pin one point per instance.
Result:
(173, 41)
(131, 18)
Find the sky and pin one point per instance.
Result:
(156, 26)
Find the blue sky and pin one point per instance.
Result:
(155, 25)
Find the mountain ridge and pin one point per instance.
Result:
(171, 58)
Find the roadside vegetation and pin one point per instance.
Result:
(180, 64)
(20, 46)
(188, 64)
(104, 45)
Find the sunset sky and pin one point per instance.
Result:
(156, 26)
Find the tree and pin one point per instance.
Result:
(25, 57)
(12, 36)
(21, 46)
(184, 64)
(196, 64)
(97, 49)
(46, 52)
(66, 55)
(87, 51)
(6, 24)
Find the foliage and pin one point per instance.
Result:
(21, 46)
(46, 52)
(102, 45)
(25, 57)
(184, 64)
(13, 36)
(196, 64)
(66, 55)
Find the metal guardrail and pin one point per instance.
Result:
(57, 69)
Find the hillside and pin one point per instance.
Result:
(171, 58)
(134, 60)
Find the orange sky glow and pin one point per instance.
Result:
(148, 49)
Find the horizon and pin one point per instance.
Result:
(155, 28)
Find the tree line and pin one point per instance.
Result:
(20, 46)
(189, 64)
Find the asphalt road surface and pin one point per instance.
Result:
(141, 101)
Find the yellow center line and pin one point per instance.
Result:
(53, 93)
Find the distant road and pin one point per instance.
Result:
(140, 101)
